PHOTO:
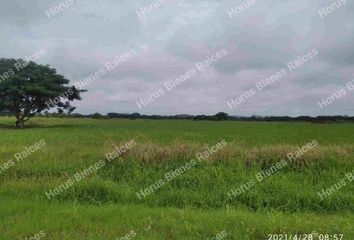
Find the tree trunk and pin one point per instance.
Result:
(20, 123)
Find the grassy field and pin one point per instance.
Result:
(195, 203)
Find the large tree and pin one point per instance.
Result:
(27, 88)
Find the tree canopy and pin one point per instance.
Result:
(27, 88)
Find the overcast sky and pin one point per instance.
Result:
(174, 36)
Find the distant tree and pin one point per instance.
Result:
(97, 116)
(135, 115)
(201, 117)
(112, 115)
(221, 116)
(27, 88)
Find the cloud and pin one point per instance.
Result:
(173, 37)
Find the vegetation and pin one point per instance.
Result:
(29, 89)
(194, 205)
(217, 117)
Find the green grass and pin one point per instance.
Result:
(194, 205)
(68, 220)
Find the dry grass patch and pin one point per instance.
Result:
(151, 152)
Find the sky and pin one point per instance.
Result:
(247, 57)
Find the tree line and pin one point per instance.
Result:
(221, 116)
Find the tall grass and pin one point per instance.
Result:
(201, 193)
